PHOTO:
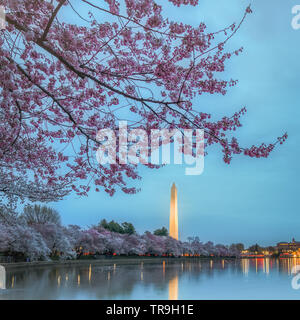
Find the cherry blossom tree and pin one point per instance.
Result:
(6, 238)
(154, 244)
(23, 240)
(114, 242)
(197, 247)
(91, 241)
(133, 245)
(62, 82)
(173, 247)
(40, 214)
(56, 239)
(222, 250)
(209, 248)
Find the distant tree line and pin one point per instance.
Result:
(37, 234)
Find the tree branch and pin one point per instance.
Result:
(54, 14)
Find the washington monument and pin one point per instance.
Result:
(173, 213)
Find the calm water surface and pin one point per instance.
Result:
(194, 279)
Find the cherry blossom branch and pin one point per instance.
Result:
(54, 14)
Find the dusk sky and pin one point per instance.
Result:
(250, 200)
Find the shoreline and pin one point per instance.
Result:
(104, 261)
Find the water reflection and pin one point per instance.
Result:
(186, 279)
(2, 278)
(90, 273)
(245, 266)
(173, 288)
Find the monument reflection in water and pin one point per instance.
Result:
(170, 279)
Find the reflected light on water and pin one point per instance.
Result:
(58, 281)
(173, 288)
(78, 280)
(267, 266)
(245, 266)
(2, 278)
(295, 263)
(90, 273)
(287, 264)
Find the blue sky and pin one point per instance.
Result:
(251, 200)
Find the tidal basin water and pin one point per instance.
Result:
(186, 279)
